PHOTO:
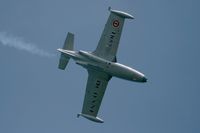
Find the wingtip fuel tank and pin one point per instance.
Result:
(121, 13)
(90, 117)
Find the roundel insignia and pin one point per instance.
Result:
(115, 23)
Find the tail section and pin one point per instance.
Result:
(68, 45)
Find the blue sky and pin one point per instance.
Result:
(162, 42)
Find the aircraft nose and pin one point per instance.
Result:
(144, 79)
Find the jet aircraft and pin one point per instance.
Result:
(101, 64)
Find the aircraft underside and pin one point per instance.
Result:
(101, 64)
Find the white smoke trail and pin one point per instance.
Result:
(21, 44)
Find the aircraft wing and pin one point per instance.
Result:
(109, 41)
(95, 89)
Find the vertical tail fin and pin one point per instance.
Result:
(69, 42)
(68, 45)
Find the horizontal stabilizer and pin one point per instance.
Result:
(92, 118)
(64, 59)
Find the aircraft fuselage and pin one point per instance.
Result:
(90, 61)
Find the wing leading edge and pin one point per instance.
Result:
(95, 89)
(109, 41)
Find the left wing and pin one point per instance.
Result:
(95, 89)
(109, 41)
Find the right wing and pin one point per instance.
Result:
(95, 89)
(109, 41)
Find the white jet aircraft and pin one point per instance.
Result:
(101, 64)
